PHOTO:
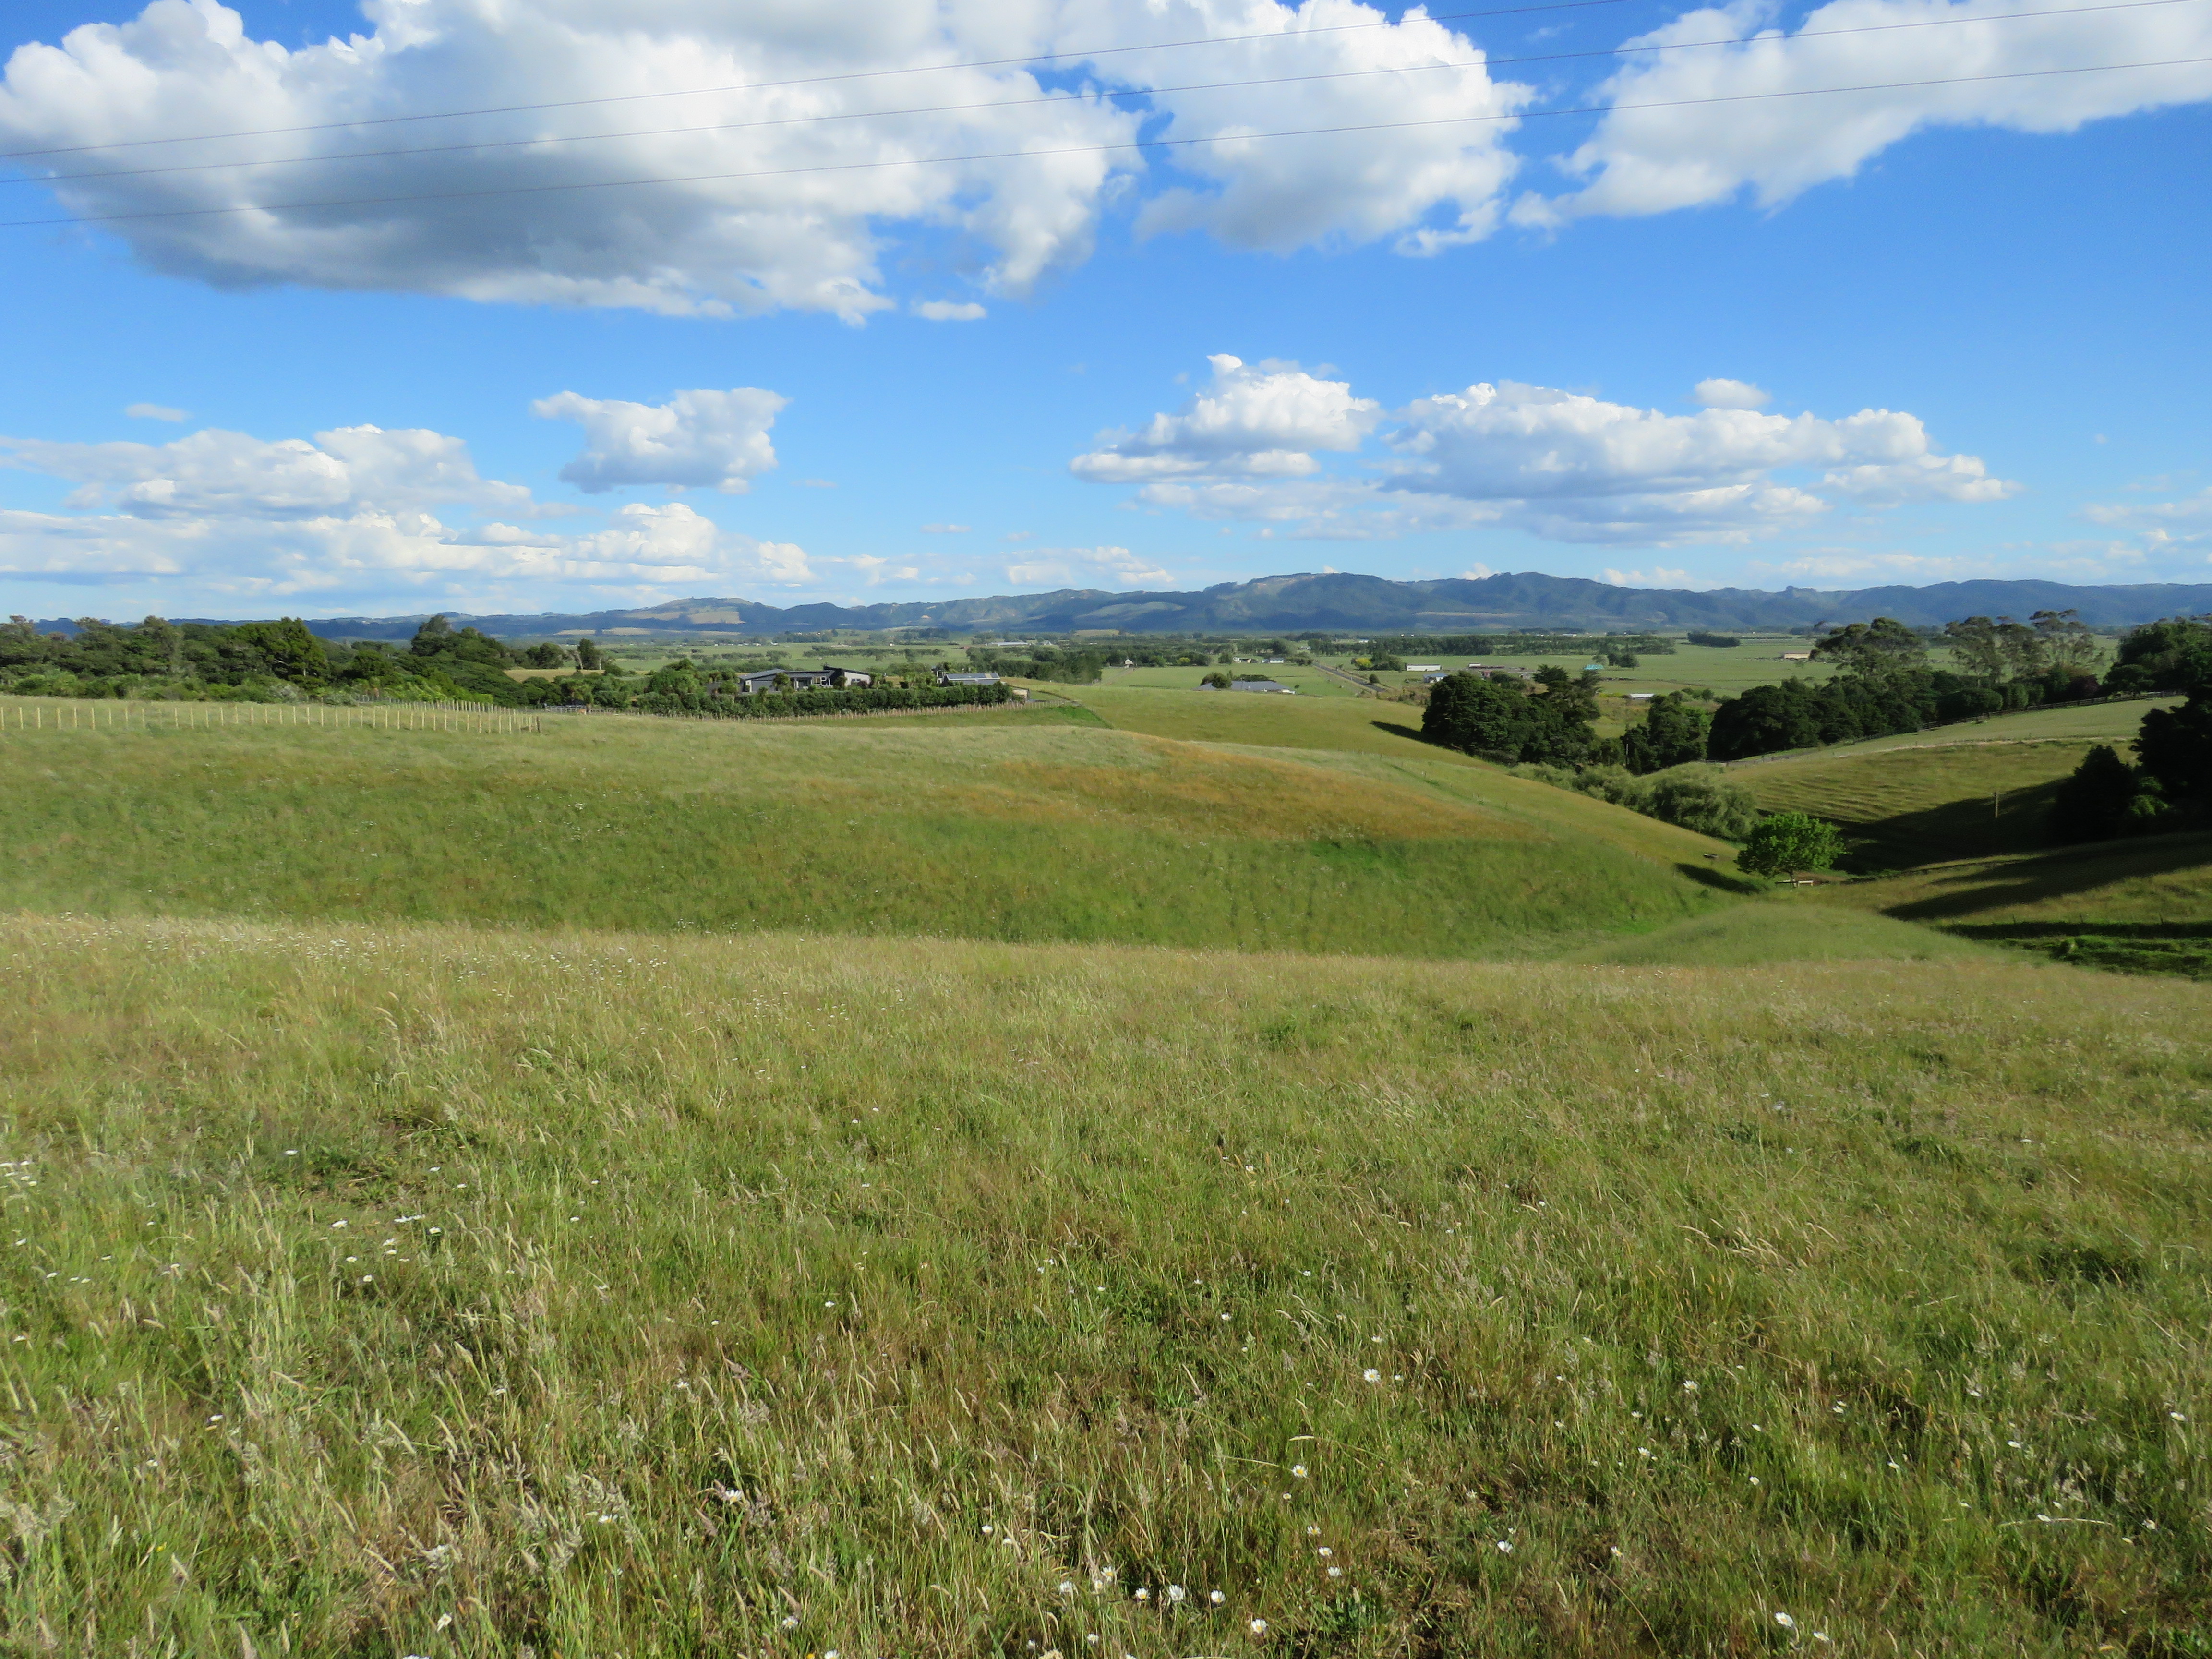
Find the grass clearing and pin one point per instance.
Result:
(1793, 928)
(442, 1292)
(1014, 828)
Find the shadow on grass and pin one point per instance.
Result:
(1969, 828)
(1719, 875)
(2057, 875)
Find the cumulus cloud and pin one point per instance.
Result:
(356, 514)
(232, 475)
(949, 311)
(795, 146)
(156, 412)
(1564, 465)
(1261, 421)
(1657, 576)
(1729, 394)
(704, 440)
(945, 529)
(1069, 566)
(1654, 160)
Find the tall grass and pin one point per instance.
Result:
(1030, 830)
(439, 1292)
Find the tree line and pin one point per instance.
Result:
(1886, 685)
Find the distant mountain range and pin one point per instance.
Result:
(1345, 604)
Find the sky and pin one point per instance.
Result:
(319, 308)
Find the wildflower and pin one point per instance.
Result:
(791, 1621)
(1259, 1627)
(1336, 1572)
(1066, 1586)
(1372, 1375)
(1224, 1319)
(1754, 1479)
(1174, 1592)
(1216, 1597)
(1324, 1551)
(1505, 1547)
(2177, 1417)
(1297, 1471)
(1785, 1621)
(1143, 1594)
(1313, 1532)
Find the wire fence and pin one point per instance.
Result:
(115, 715)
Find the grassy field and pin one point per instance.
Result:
(2143, 905)
(1906, 806)
(451, 1293)
(1022, 825)
(1306, 682)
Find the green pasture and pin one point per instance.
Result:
(2141, 906)
(1020, 824)
(449, 1293)
(1904, 806)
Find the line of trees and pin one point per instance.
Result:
(1590, 647)
(272, 661)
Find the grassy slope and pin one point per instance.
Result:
(1907, 807)
(633, 1296)
(1012, 828)
(2140, 905)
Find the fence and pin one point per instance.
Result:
(109, 714)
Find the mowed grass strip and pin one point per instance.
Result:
(1034, 831)
(449, 1293)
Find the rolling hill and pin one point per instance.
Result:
(1347, 602)
(1020, 827)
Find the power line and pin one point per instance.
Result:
(1022, 103)
(805, 81)
(1085, 149)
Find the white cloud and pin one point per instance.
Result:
(1657, 576)
(1072, 566)
(945, 529)
(1430, 186)
(1642, 160)
(786, 189)
(2159, 528)
(229, 474)
(1563, 465)
(949, 311)
(156, 412)
(876, 571)
(354, 516)
(1260, 421)
(713, 440)
(1729, 394)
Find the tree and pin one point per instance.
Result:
(293, 652)
(545, 654)
(1479, 716)
(2174, 655)
(1874, 650)
(2175, 747)
(1786, 842)
(2101, 799)
(1672, 734)
(2068, 643)
(1217, 679)
(588, 653)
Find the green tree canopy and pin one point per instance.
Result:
(1874, 650)
(1786, 843)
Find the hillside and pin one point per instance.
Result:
(1351, 603)
(2143, 906)
(1016, 827)
(1977, 789)
(438, 1291)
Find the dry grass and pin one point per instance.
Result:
(444, 1292)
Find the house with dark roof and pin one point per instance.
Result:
(802, 679)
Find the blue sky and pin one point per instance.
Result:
(1223, 362)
